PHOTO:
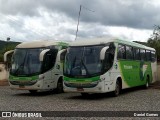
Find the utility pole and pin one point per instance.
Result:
(78, 20)
(79, 17)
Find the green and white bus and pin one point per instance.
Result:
(37, 66)
(108, 65)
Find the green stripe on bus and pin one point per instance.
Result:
(135, 72)
(23, 78)
(92, 79)
(120, 68)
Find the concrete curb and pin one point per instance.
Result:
(4, 83)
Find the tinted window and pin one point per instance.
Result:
(129, 53)
(49, 60)
(83, 61)
(136, 53)
(109, 58)
(26, 62)
(153, 56)
(121, 52)
(142, 54)
(148, 55)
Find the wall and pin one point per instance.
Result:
(3, 72)
(158, 72)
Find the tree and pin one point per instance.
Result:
(154, 40)
(5, 49)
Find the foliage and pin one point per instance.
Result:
(6, 47)
(154, 40)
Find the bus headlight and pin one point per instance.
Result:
(95, 83)
(41, 77)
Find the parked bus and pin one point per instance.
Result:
(108, 65)
(37, 66)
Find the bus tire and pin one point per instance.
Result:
(147, 83)
(117, 90)
(33, 91)
(59, 88)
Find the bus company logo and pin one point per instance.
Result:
(6, 114)
(21, 114)
(128, 67)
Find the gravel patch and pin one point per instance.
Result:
(136, 99)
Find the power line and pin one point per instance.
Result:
(88, 9)
(19, 24)
(31, 30)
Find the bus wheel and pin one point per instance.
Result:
(59, 88)
(33, 91)
(116, 92)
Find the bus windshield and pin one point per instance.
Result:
(83, 61)
(26, 62)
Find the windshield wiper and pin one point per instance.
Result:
(85, 67)
(21, 65)
(16, 72)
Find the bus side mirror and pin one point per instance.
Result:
(42, 54)
(102, 53)
(61, 55)
(6, 55)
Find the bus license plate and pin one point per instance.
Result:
(80, 89)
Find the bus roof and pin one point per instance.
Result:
(105, 40)
(41, 44)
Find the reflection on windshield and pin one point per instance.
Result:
(83, 61)
(26, 62)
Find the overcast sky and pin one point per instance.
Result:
(27, 20)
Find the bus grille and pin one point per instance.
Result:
(23, 82)
(80, 85)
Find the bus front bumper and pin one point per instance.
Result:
(97, 89)
(36, 86)
(101, 87)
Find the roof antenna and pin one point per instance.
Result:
(79, 17)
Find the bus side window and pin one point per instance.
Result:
(148, 55)
(49, 60)
(129, 53)
(109, 58)
(121, 52)
(153, 56)
(136, 53)
(143, 54)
